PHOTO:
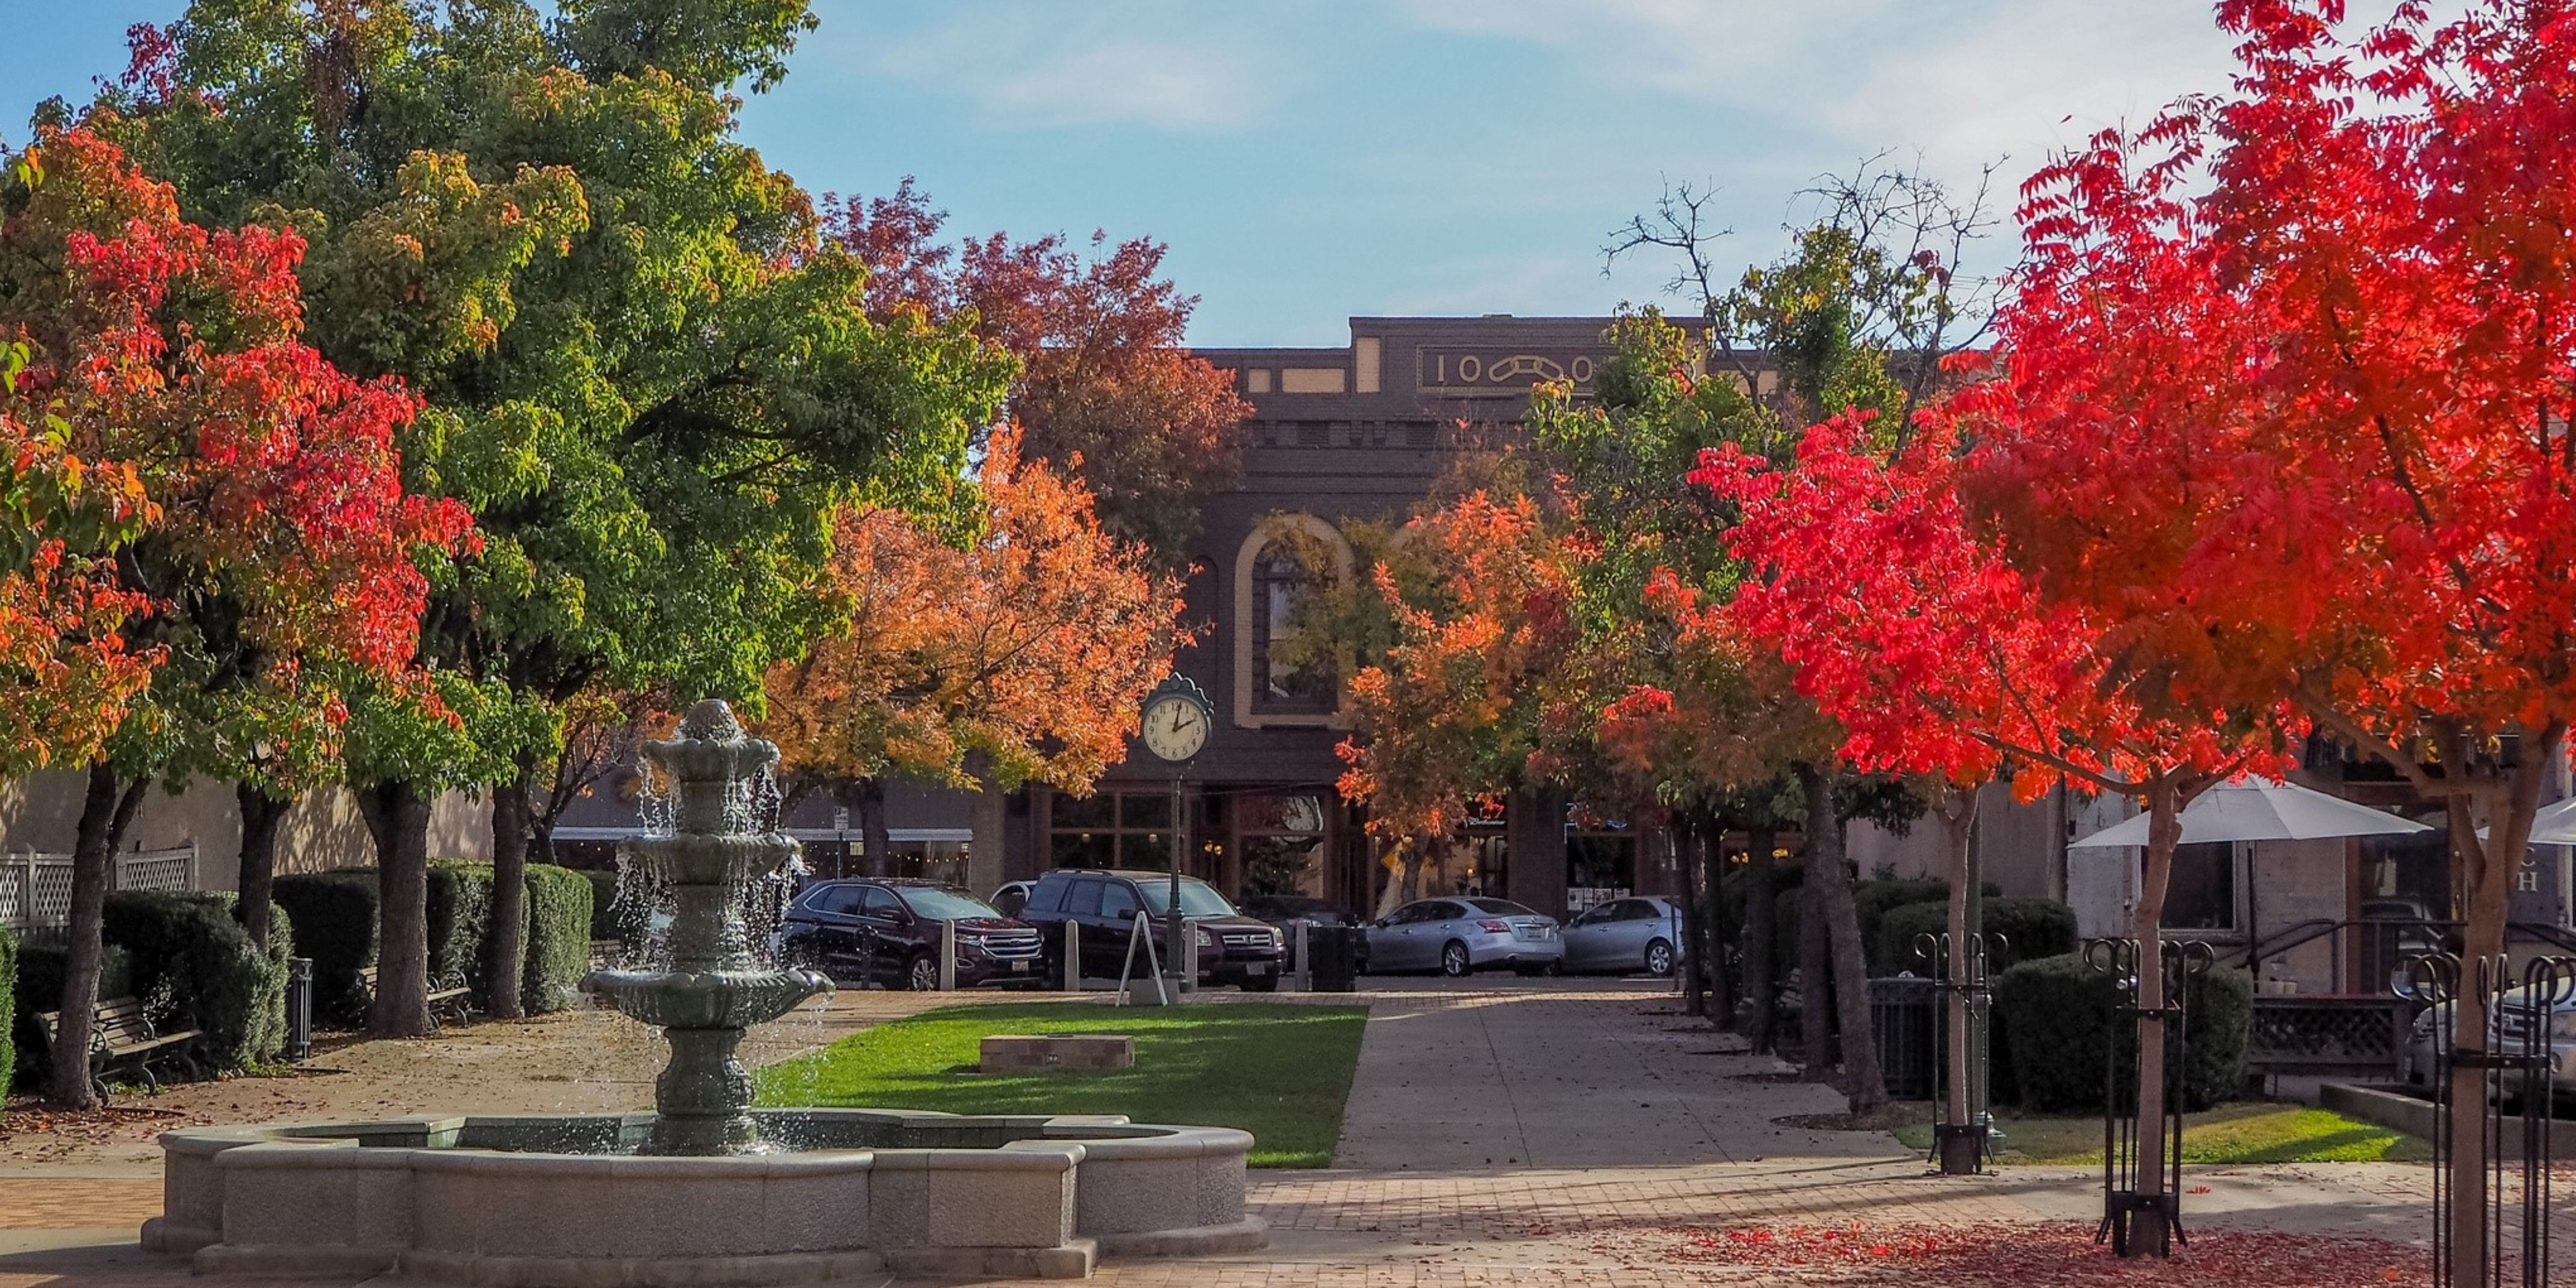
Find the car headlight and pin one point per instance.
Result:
(1277, 939)
(2562, 1024)
(1206, 940)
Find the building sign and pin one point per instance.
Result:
(2540, 886)
(1493, 369)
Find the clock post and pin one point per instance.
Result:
(1174, 725)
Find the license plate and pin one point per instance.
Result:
(1256, 968)
(1020, 967)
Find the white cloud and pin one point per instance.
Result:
(1963, 81)
(1046, 65)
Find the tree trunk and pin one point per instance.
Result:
(2149, 1233)
(397, 816)
(1862, 1082)
(1708, 929)
(1761, 977)
(260, 815)
(106, 811)
(1958, 811)
(505, 941)
(1684, 838)
(873, 832)
(1815, 973)
(2486, 890)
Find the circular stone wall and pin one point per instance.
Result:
(545, 1202)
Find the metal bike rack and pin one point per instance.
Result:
(2184, 963)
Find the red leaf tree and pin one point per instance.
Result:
(2304, 423)
(1904, 621)
(1106, 388)
(243, 500)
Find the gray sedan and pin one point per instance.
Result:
(1626, 935)
(1463, 935)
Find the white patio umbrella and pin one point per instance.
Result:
(2554, 825)
(2254, 809)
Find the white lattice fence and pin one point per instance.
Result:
(36, 889)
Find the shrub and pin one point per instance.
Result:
(559, 911)
(460, 910)
(39, 988)
(1873, 899)
(613, 916)
(335, 925)
(2057, 1015)
(2028, 928)
(193, 963)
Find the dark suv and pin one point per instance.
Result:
(1233, 948)
(888, 932)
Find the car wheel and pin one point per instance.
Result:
(1454, 961)
(1659, 958)
(922, 975)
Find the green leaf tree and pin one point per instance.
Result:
(645, 372)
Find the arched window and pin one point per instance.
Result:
(1281, 682)
(1273, 574)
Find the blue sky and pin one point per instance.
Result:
(1312, 159)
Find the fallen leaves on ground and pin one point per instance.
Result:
(1999, 1255)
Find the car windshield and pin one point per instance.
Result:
(1198, 898)
(943, 905)
(1501, 908)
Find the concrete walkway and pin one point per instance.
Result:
(1484, 1074)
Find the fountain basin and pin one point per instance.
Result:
(541, 1202)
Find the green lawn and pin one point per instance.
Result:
(2247, 1133)
(1279, 1072)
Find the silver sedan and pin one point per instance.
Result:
(1463, 935)
(1626, 935)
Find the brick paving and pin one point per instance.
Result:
(1623, 1078)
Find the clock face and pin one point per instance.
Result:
(1175, 728)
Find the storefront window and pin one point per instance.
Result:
(1282, 840)
(1111, 830)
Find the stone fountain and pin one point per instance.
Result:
(712, 989)
(705, 1191)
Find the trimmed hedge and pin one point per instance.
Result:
(338, 916)
(612, 916)
(559, 914)
(2030, 928)
(194, 963)
(335, 925)
(460, 909)
(39, 987)
(1880, 895)
(2056, 1020)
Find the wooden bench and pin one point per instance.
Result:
(449, 997)
(121, 1036)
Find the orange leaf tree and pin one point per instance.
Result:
(257, 527)
(1020, 653)
(2304, 422)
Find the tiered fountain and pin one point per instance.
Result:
(713, 990)
(705, 1191)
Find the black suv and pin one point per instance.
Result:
(1233, 948)
(888, 932)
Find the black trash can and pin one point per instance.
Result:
(1337, 951)
(1903, 1017)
